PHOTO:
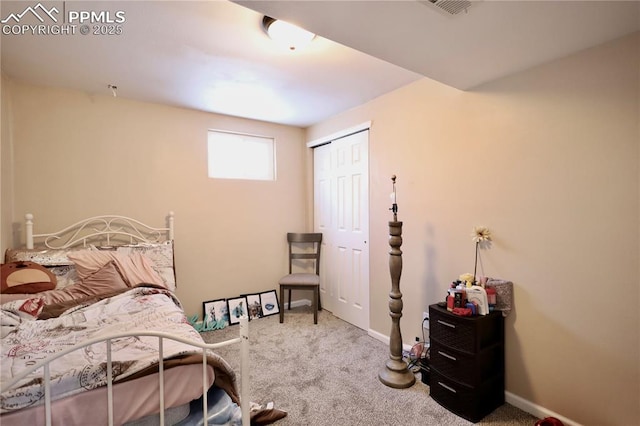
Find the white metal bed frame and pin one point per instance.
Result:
(107, 227)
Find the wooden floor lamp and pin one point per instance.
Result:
(396, 374)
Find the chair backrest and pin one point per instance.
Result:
(314, 239)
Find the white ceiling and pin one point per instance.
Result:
(491, 40)
(213, 55)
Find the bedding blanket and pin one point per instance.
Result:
(138, 309)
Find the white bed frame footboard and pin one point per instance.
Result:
(243, 339)
(112, 229)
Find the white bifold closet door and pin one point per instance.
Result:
(341, 213)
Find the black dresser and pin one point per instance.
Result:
(467, 362)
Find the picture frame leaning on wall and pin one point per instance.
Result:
(237, 308)
(254, 306)
(269, 302)
(215, 314)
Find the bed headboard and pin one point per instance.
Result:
(108, 229)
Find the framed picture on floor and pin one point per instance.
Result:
(269, 302)
(254, 307)
(237, 309)
(215, 312)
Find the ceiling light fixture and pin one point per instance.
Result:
(287, 34)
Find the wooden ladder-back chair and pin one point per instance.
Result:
(300, 280)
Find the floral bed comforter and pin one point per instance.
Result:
(140, 308)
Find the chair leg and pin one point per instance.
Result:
(282, 308)
(316, 304)
(289, 299)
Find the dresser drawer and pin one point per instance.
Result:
(450, 331)
(471, 403)
(467, 334)
(464, 367)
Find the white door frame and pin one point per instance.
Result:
(346, 132)
(347, 315)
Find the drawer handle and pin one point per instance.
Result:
(452, 358)
(447, 324)
(449, 388)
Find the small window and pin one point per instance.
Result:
(238, 156)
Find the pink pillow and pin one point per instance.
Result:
(103, 281)
(135, 267)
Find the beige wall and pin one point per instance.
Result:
(79, 155)
(6, 164)
(548, 160)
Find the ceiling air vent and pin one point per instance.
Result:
(452, 7)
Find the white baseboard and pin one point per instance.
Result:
(297, 303)
(511, 398)
(385, 339)
(535, 409)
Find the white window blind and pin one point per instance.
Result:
(238, 156)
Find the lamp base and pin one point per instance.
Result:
(397, 375)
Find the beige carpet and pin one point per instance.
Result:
(327, 374)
